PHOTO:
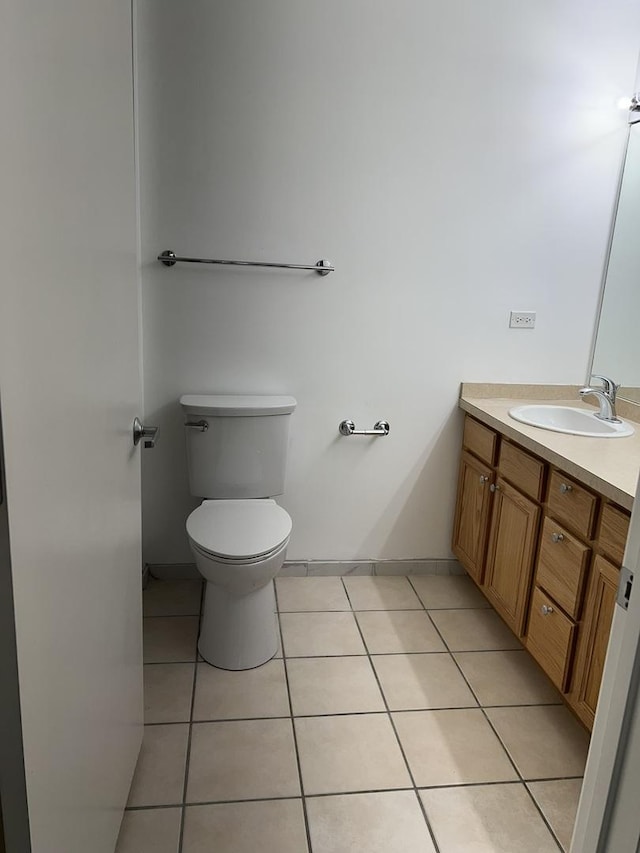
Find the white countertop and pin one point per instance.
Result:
(607, 465)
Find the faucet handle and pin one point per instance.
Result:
(609, 386)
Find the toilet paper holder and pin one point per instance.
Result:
(380, 428)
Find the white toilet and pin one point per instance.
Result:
(236, 452)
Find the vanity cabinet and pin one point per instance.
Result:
(545, 550)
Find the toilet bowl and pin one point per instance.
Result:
(236, 455)
(239, 547)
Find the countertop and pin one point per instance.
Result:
(607, 465)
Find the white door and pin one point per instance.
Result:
(608, 819)
(69, 391)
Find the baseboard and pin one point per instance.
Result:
(326, 568)
(343, 568)
(174, 571)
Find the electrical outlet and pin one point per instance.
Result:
(522, 320)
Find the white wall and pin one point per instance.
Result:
(454, 160)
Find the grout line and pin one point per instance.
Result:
(485, 715)
(501, 742)
(414, 609)
(189, 804)
(193, 697)
(532, 795)
(352, 713)
(393, 726)
(293, 727)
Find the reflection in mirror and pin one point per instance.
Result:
(617, 347)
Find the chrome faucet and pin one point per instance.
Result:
(606, 395)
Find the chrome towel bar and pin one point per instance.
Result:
(349, 428)
(169, 259)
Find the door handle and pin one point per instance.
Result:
(149, 433)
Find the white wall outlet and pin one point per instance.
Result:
(522, 320)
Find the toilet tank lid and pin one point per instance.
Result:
(234, 405)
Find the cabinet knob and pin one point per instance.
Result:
(483, 479)
(494, 487)
(557, 537)
(546, 609)
(565, 487)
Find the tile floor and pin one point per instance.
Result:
(403, 717)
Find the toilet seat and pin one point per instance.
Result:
(239, 530)
(239, 561)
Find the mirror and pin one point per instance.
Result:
(617, 346)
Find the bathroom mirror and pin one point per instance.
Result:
(617, 346)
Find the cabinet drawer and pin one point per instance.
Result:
(480, 440)
(572, 504)
(612, 536)
(550, 638)
(522, 470)
(563, 562)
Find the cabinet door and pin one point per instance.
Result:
(472, 515)
(594, 638)
(511, 554)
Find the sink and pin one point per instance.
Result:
(570, 420)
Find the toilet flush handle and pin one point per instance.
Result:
(201, 426)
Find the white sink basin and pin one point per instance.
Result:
(570, 420)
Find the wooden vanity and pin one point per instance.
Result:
(545, 547)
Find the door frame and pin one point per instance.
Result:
(14, 810)
(607, 819)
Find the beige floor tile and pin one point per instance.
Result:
(421, 682)
(381, 593)
(314, 634)
(242, 760)
(350, 753)
(393, 631)
(387, 822)
(335, 685)
(559, 803)
(167, 692)
(269, 827)
(311, 594)
(439, 592)
(507, 678)
(225, 695)
(473, 630)
(172, 598)
(452, 748)
(159, 776)
(487, 819)
(545, 741)
(150, 831)
(170, 639)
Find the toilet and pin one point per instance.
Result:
(236, 457)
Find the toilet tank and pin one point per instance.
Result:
(237, 445)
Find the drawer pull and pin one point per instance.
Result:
(546, 609)
(557, 537)
(494, 487)
(483, 479)
(566, 487)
